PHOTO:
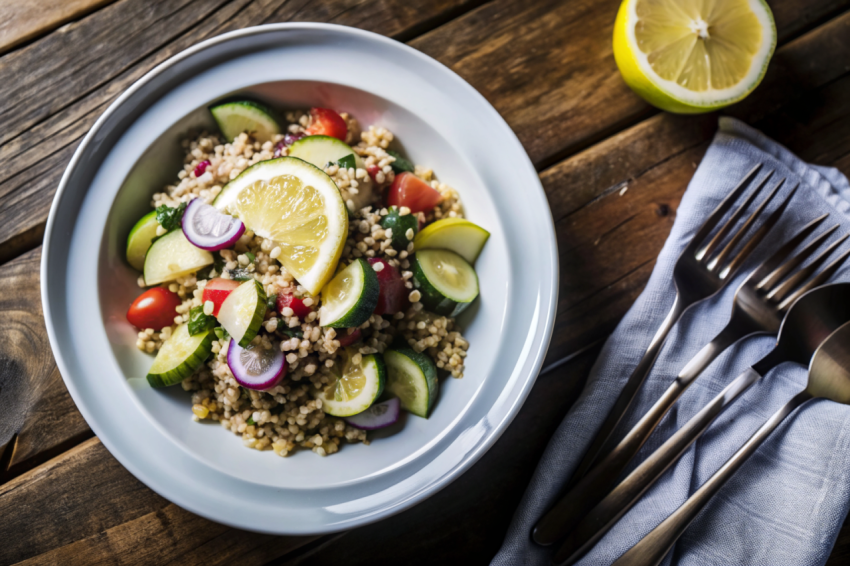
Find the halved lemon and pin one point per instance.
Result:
(693, 56)
(299, 207)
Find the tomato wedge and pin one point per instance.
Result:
(155, 308)
(392, 296)
(414, 193)
(327, 122)
(348, 339)
(297, 305)
(217, 290)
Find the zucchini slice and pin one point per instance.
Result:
(447, 282)
(180, 356)
(412, 377)
(350, 297)
(173, 256)
(233, 118)
(140, 240)
(456, 234)
(242, 312)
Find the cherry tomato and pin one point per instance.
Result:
(327, 122)
(348, 339)
(414, 193)
(373, 171)
(155, 308)
(392, 296)
(217, 290)
(297, 305)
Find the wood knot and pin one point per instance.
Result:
(662, 210)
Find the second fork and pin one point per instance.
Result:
(759, 305)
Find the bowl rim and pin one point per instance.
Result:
(548, 302)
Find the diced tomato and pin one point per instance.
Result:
(348, 339)
(392, 297)
(327, 122)
(297, 305)
(414, 193)
(217, 290)
(201, 167)
(373, 171)
(155, 308)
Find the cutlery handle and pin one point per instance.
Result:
(652, 548)
(620, 500)
(629, 391)
(602, 478)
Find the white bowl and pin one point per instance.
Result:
(133, 150)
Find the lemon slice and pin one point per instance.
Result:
(692, 56)
(299, 207)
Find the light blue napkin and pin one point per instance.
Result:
(787, 503)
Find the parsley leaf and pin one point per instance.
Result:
(221, 333)
(170, 218)
(271, 303)
(200, 322)
(347, 162)
(400, 164)
(291, 332)
(251, 257)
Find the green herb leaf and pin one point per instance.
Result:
(240, 274)
(347, 162)
(221, 333)
(251, 257)
(271, 303)
(250, 420)
(291, 332)
(168, 217)
(218, 263)
(400, 164)
(200, 322)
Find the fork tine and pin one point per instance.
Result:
(781, 293)
(779, 273)
(712, 220)
(816, 280)
(712, 245)
(754, 240)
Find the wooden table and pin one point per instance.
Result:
(546, 65)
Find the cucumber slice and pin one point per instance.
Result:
(173, 256)
(400, 225)
(242, 312)
(447, 282)
(233, 118)
(140, 239)
(321, 150)
(350, 297)
(456, 234)
(357, 385)
(412, 377)
(180, 356)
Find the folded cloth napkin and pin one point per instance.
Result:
(787, 503)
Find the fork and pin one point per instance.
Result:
(812, 318)
(696, 276)
(759, 305)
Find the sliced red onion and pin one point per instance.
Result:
(377, 416)
(255, 367)
(210, 229)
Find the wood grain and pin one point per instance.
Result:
(83, 507)
(546, 66)
(55, 88)
(33, 399)
(21, 21)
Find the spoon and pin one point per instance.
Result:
(809, 321)
(829, 378)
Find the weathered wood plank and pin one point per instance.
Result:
(83, 507)
(22, 21)
(33, 399)
(54, 89)
(546, 66)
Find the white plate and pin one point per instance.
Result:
(133, 150)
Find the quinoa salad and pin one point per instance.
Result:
(302, 279)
